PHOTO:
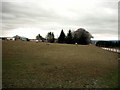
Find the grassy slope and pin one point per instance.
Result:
(30, 64)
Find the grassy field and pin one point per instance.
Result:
(47, 65)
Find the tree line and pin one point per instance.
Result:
(81, 36)
(108, 44)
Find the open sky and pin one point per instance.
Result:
(31, 17)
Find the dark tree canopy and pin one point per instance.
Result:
(61, 38)
(108, 43)
(50, 37)
(83, 39)
(81, 36)
(39, 37)
(75, 38)
(69, 38)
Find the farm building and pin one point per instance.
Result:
(33, 40)
(10, 38)
(17, 38)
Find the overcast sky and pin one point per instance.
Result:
(31, 17)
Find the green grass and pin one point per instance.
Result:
(109, 81)
(42, 65)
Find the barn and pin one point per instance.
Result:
(18, 38)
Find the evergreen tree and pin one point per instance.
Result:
(61, 38)
(53, 38)
(69, 38)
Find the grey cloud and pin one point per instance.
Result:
(13, 15)
(100, 21)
